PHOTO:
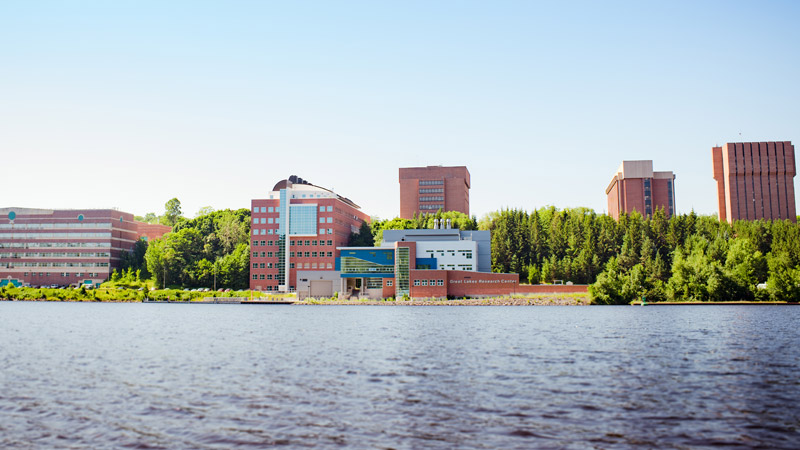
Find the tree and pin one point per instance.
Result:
(363, 238)
(172, 212)
(204, 210)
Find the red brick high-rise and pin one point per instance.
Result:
(635, 187)
(429, 189)
(755, 180)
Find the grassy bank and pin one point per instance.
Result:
(114, 295)
(514, 300)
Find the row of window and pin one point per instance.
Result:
(50, 226)
(309, 242)
(428, 282)
(432, 206)
(262, 276)
(55, 255)
(53, 244)
(11, 265)
(270, 209)
(53, 235)
(431, 191)
(265, 231)
(431, 182)
(63, 274)
(435, 198)
(292, 254)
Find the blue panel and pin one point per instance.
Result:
(430, 262)
(371, 254)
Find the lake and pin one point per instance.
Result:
(106, 375)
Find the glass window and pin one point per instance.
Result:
(389, 282)
(330, 208)
(330, 230)
(291, 265)
(263, 209)
(270, 209)
(321, 209)
(416, 282)
(313, 254)
(313, 242)
(321, 220)
(424, 282)
(330, 242)
(308, 242)
(330, 254)
(307, 254)
(255, 266)
(270, 220)
(440, 282)
(322, 231)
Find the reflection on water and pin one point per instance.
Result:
(220, 376)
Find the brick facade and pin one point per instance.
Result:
(45, 247)
(427, 189)
(636, 187)
(755, 180)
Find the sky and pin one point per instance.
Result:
(128, 104)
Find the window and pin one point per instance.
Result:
(261, 276)
(424, 283)
(263, 254)
(313, 254)
(263, 242)
(321, 220)
(308, 242)
(269, 265)
(270, 209)
(432, 282)
(269, 243)
(269, 254)
(330, 266)
(255, 266)
(255, 277)
(255, 254)
(330, 208)
(330, 242)
(255, 243)
(262, 266)
(440, 282)
(389, 282)
(307, 254)
(416, 282)
(431, 182)
(313, 242)
(313, 265)
(330, 219)
(291, 265)
(330, 230)
(270, 220)
(269, 276)
(432, 191)
(321, 231)
(321, 209)
(291, 254)
(330, 254)
(431, 206)
(298, 242)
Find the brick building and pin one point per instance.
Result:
(299, 227)
(755, 180)
(43, 247)
(414, 263)
(636, 187)
(429, 189)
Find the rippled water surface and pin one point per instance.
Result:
(220, 376)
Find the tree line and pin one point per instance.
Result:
(685, 257)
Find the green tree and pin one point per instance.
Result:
(172, 212)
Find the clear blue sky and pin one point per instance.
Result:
(131, 103)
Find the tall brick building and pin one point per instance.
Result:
(755, 180)
(299, 227)
(429, 189)
(636, 187)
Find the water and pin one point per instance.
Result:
(220, 376)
